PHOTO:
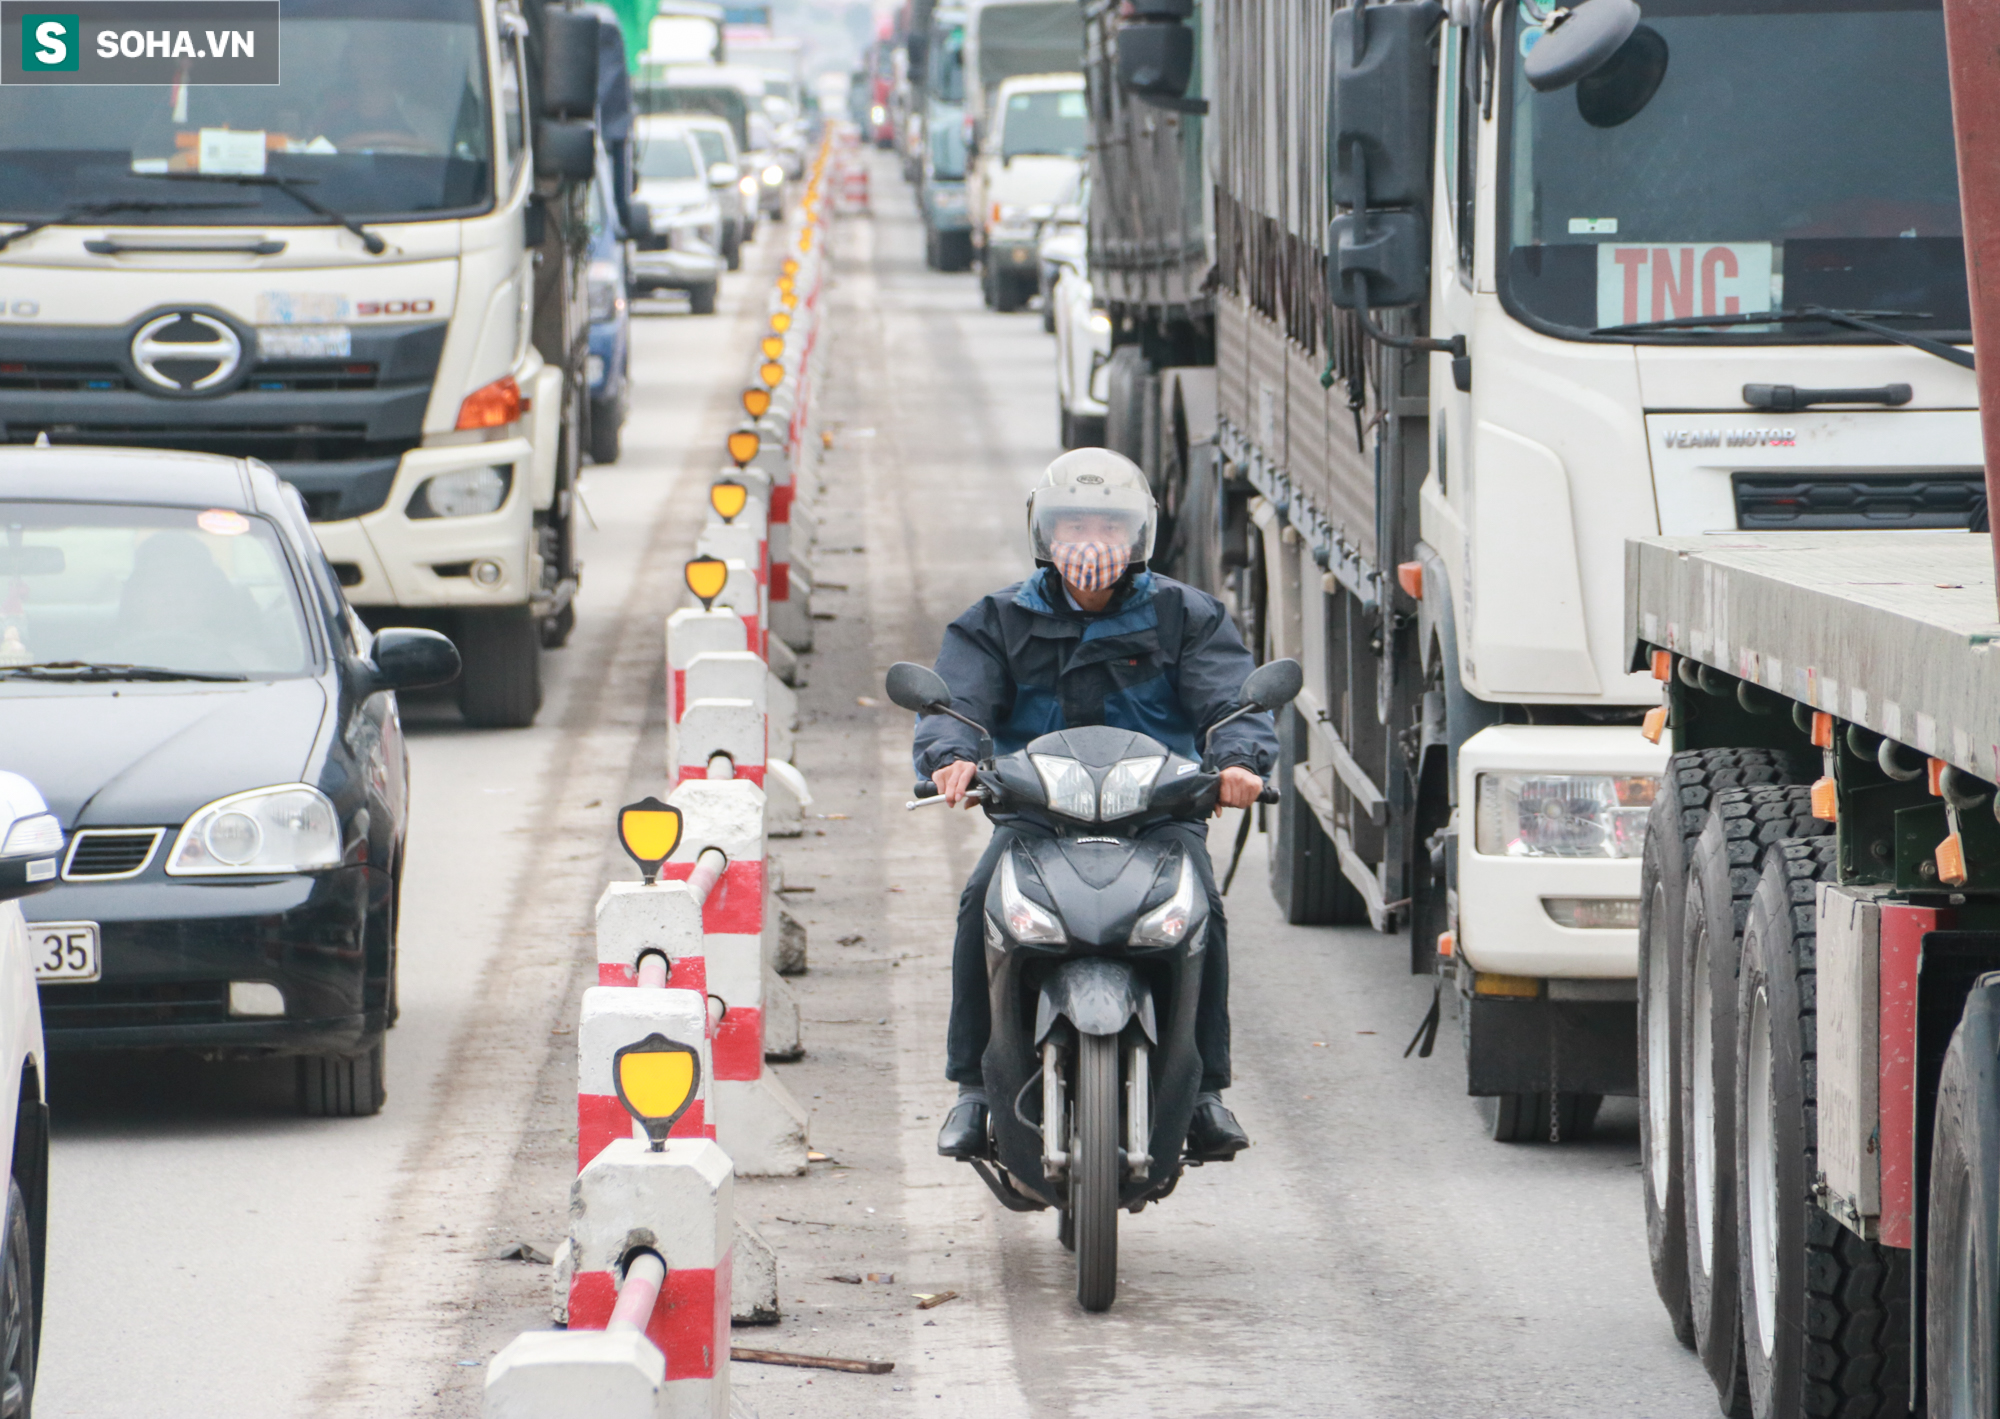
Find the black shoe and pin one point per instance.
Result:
(964, 1132)
(1214, 1135)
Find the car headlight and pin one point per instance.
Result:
(772, 175)
(748, 186)
(1100, 322)
(1127, 787)
(33, 836)
(464, 492)
(1564, 815)
(1067, 786)
(290, 828)
(607, 289)
(1025, 920)
(1167, 923)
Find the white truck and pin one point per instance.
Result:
(1410, 347)
(369, 275)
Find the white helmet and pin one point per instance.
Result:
(1091, 517)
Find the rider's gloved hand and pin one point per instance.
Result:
(1239, 788)
(955, 778)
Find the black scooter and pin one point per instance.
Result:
(1094, 941)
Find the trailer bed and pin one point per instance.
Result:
(1893, 631)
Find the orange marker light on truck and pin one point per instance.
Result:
(491, 406)
(1936, 777)
(1410, 576)
(1826, 800)
(1656, 724)
(1822, 730)
(1950, 857)
(1663, 665)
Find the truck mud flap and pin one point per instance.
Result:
(1535, 1046)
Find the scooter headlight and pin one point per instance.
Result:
(1127, 787)
(1168, 922)
(1026, 921)
(1067, 785)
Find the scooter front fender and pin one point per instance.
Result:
(1097, 996)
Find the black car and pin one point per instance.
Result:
(217, 733)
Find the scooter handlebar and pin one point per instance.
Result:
(1269, 795)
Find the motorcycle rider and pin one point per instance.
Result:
(1093, 637)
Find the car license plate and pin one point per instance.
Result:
(65, 950)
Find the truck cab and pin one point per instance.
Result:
(1029, 158)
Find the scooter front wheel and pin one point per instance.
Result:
(1093, 1162)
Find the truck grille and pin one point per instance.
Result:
(272, 376)
(99, 1005)
(96, 854)
(1823, 502)
(293, 443)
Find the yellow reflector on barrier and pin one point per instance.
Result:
(657, 1079)
(790, 298)
(780, 322)
(791, 267)
(772, 346)
(649, 831)
(784, 283)
(728, 498)
(756, 401)
(706, 576)
(744, 443)
(771, 372)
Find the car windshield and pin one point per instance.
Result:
(1734, 157)
(714, 146)
(1044, 123)
(947, 134)
(382, 113)
(209, 592)
(666, 156)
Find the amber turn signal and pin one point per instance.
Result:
(491, 406)
(1656, 724)
(1826, 800)
(1663, 665)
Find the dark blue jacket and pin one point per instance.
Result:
(1163, 659)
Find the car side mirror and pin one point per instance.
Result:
(1273, 685)
(31, 840)
(409, 659)
(916, 687)
(722, 174)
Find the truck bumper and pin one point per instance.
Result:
(388, 558)
(1503, 925)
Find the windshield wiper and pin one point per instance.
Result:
(102, 209)
(98, 671)
(290, 187)
(1868, 320)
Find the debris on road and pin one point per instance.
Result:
(847, 1278)
(930, 1302)
(521, 1251)
(811, 1362)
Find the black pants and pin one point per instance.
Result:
(972, 1009)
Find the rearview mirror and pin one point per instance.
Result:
(1579, 41)
(1156, 49)
(30, 840)
(916, 687)
(639, 220)
(410, 659)
(566, 149)
(1380, 148)
(1273, 685)
(31, 561)
(569, 63)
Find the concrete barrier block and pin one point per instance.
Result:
(781, 702)
(563, 1267)
(738, 541)
(785, 800)
(732, 675)
(633, 918)
(762, 1127)
(613, 1017)
(692, 632)
(723, 813)
(791, 619)
(743, 593)
(709, 727)
(785, 664)
(576, 1374)
(782, 1041)
(753, 1280)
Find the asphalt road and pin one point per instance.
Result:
(214, 1256)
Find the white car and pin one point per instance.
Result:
(1030, 159)
(1083, 340)
(31, 842)
(684, 251)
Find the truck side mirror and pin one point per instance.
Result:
(1156, 49)
(1578, 42)
(566, 149)
(569, 63)
(639, 220)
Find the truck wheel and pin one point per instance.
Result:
(1539, 1118)
(1961, 1318)
(954, 251)
(1306, 878)
(932, 260)
(1010, 292)
(987, 290)
(1692, 779)
(500, 686)
(732, 253)
(1093, 1162)
(701, 299)
(1826, 1324)
(1743, 823)
(606, 432)
(342, 1085)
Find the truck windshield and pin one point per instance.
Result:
(1738, 156)
(1046, 123)
(947, 133)
(948, 65)
(382, 113)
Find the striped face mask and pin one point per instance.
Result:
(1091, 566)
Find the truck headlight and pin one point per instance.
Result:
(289, 828)
(773, 175)
(748, 186)
(1564, 815)
(1026, 921)
(464, 492)
(1100, 321)
(1593, 913)
(1167, 923)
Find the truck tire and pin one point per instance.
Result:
(1010, 292)
(732, 253)
(1538, 1118)
(1692, 779)
(500, 686)
(954, 251)
(1961, 1317)
(1743, 824)
(931, 258)
(1826, 1323)
(342, 1085)
(701, 299)
(607, 427)
(1306, 878)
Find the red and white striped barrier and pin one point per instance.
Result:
(615, 1016)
